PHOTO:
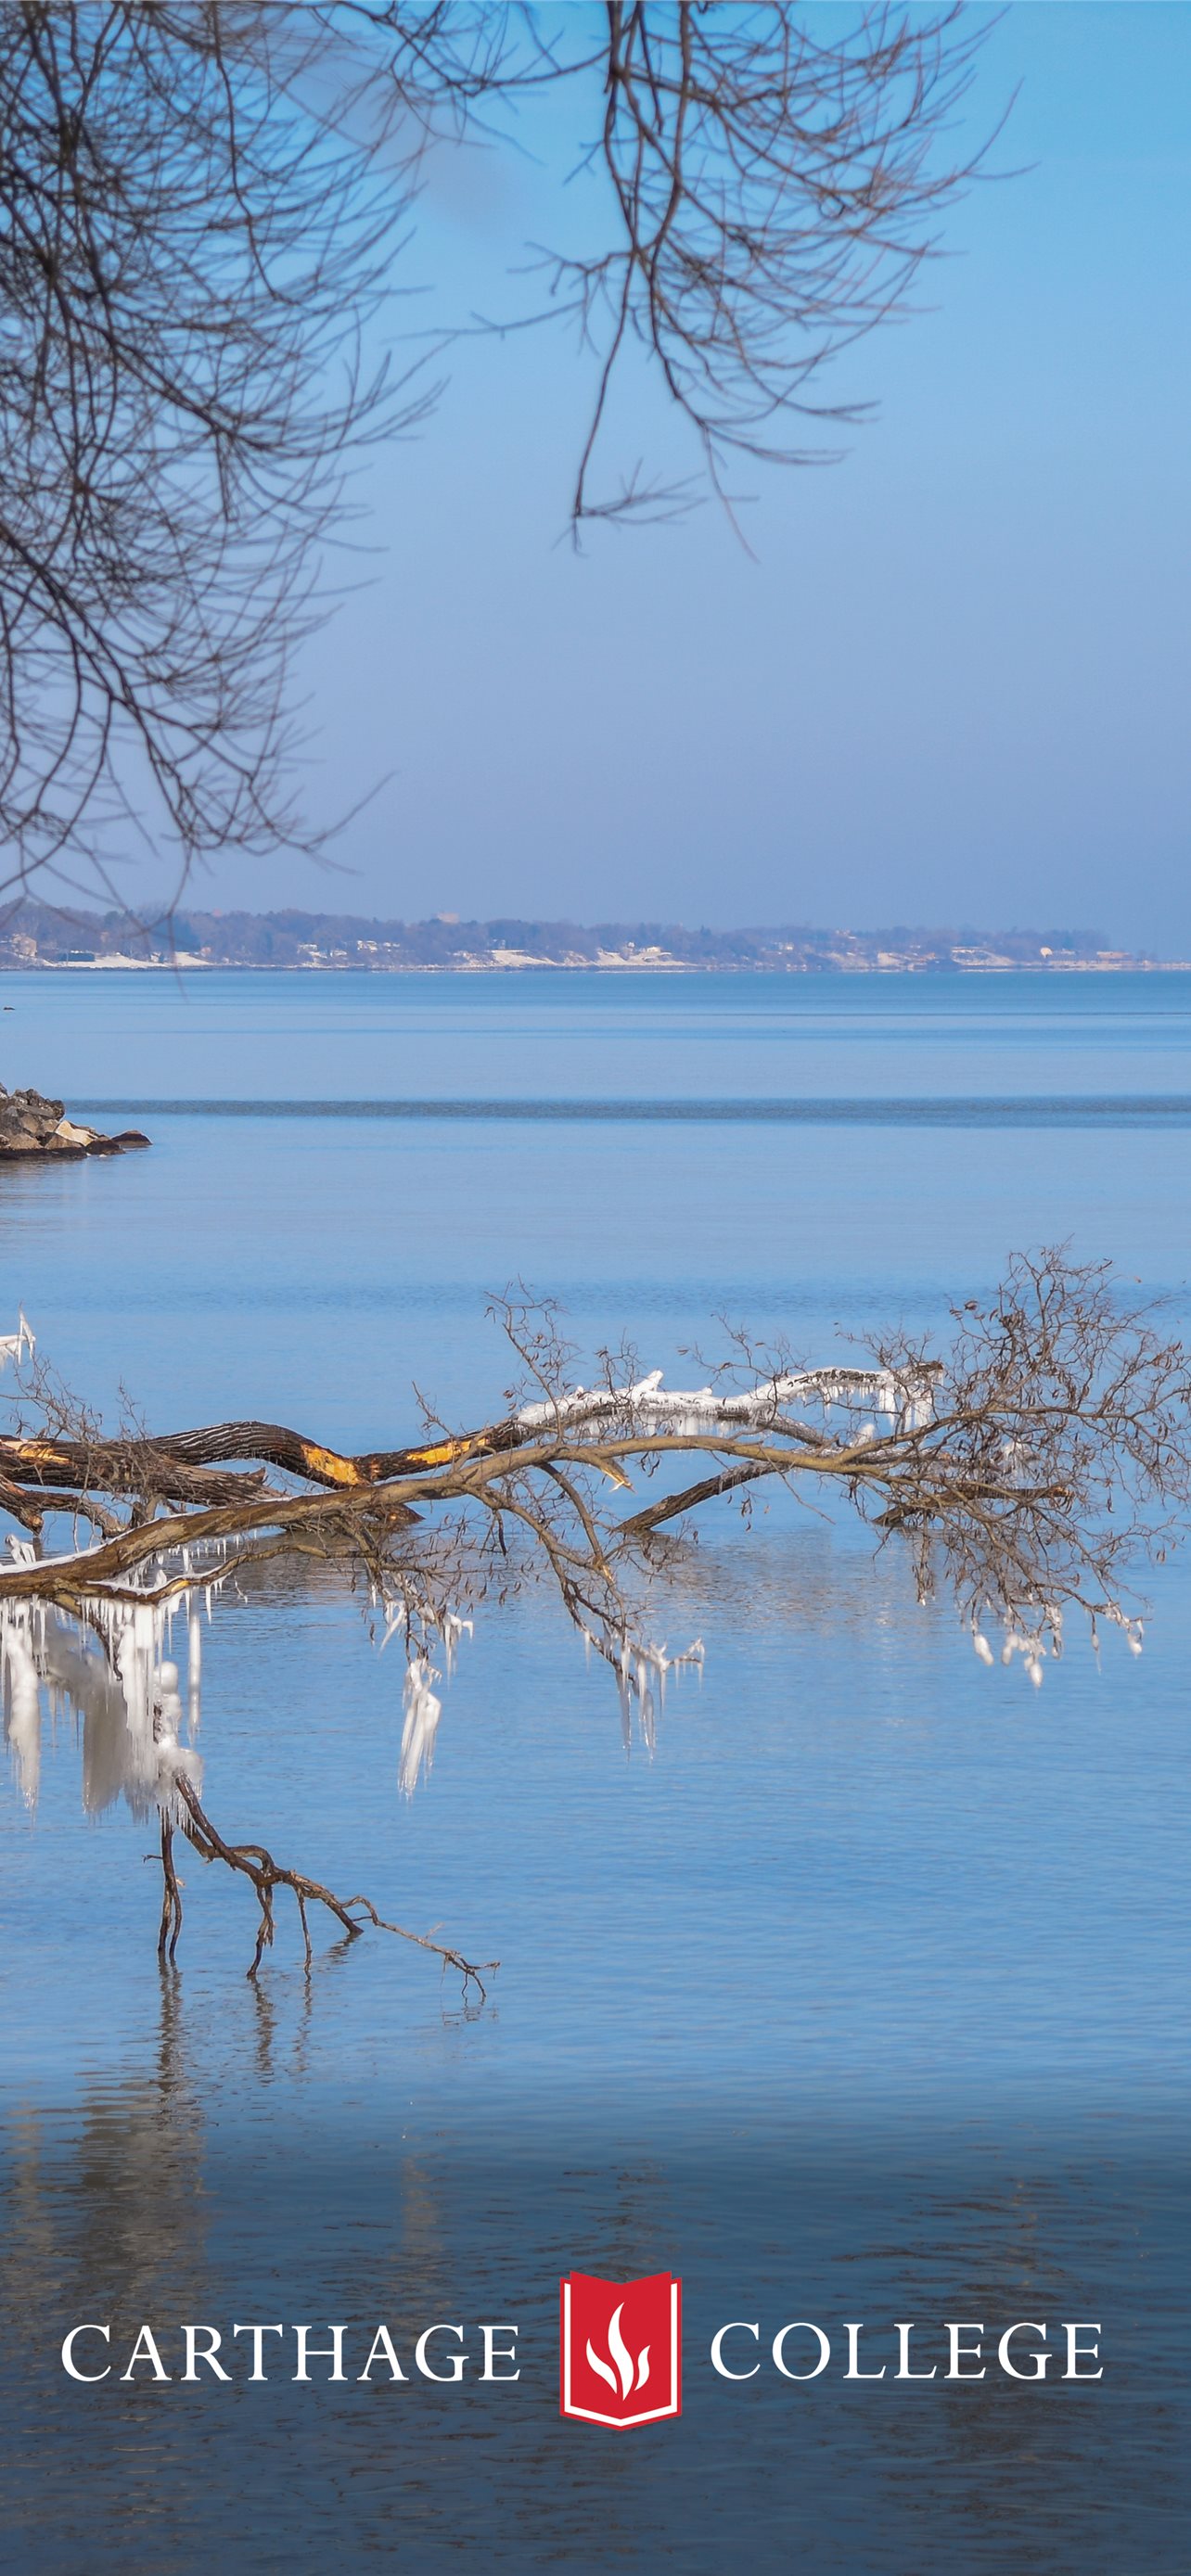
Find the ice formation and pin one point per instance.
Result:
(422, 1713)
(13, 1346)
(110, 1670)
(907, 1403)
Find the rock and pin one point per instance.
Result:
(31, 1124)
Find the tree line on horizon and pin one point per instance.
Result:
(38, 933)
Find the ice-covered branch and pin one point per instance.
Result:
(906, 1401)
(1027, 1471)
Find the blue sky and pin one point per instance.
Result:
(951, 685)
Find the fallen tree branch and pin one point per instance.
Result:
(252, 1861)
(1028, 1471)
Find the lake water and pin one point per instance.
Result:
(865, 1997)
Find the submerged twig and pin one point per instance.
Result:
(257, 1864)
(171, 1899)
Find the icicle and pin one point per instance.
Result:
(453, 1628)
(422, 1713)
(13, 1346)
(194, 1665)
(23, 1709)
(396, 1622)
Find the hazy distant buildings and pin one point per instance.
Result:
(35, 937)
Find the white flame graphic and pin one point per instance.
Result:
(622, 2358)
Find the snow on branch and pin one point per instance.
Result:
(906, 1401)
(1028, 1469)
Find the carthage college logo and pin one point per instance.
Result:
(621, 2349)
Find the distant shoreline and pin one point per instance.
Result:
(35, 937)
(184, 964)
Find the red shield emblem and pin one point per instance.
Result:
(621, 2349)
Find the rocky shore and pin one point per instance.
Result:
(30, 1124)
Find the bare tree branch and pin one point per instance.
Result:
(1031, 1468)
(201, 207)
(189, 261)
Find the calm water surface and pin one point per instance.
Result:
(864, 1998)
